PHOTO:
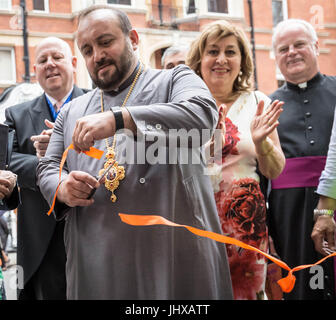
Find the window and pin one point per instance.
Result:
(7, 65)
(5, 4)
(41, 5)
(191, 7)
(279, 77)
(123, 2)
(279, 11)
(220, 6)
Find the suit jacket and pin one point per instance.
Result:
(35, 228)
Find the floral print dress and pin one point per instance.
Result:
(240, 202)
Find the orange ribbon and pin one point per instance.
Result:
(93, 152)
(286, 284)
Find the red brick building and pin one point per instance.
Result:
(161, 24)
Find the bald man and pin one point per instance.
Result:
(40, 246)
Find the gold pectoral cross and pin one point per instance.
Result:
(116, 173)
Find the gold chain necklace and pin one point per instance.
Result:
(117, 172)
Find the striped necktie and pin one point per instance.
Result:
(57, 106)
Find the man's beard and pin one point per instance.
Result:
(121, 70)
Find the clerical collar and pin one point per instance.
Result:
(302, 86)
(126, 83)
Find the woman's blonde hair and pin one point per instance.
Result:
(217, 30)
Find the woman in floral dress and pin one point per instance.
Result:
(248, 121)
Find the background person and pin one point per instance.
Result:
(8, 200)
(173, 56)
(222, 58)
(304, 132)
(324, 230)
(40, 244)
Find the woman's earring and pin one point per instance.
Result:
(240, 75)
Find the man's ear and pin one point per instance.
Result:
(134, 37)
(74, 62)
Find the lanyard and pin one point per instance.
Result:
(54, 114)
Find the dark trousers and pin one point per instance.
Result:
(48, 282)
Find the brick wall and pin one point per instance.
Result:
(61, 22)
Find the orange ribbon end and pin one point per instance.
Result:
(93, 152)
(287, 284)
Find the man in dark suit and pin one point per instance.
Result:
(40, 246)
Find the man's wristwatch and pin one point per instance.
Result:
(119, 120)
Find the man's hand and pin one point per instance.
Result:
(91, 128)
(323, 235)
(76, 188)
(41, 141)
(7, 183)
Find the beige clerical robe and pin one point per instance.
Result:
(107, 259)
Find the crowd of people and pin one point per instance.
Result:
(268, 175)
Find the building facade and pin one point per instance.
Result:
(160, 24)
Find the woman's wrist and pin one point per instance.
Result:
(265, 148)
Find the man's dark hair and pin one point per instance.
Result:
(125, 24)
